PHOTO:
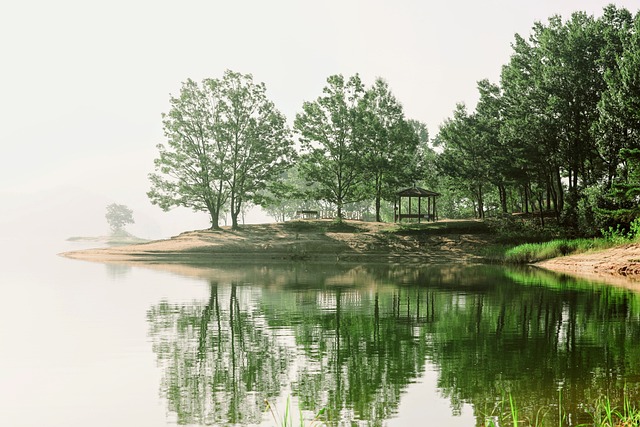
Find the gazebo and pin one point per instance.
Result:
(412, 193)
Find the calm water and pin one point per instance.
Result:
(106, 345)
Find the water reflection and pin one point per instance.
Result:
(351, 339)
(117, 271)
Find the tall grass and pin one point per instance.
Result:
(603, 414)
(286, 420)
(535, 252)
(606, 415)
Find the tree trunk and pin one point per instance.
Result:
(234, 220)
(560, 190)
(236, 206)
(503, 197)
(234, 213)
(480, 203)
(541, 212)
(213, 217)
(378, 218)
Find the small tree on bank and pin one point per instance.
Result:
(118, 216)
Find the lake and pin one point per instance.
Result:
(114, 345)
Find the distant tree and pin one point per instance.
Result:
(328, 127)
(225, 142)
(118, 216)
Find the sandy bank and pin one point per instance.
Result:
(359, 242)
(619, 265)
(352, 241)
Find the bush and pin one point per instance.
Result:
(521, 229)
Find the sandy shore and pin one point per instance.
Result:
(353, 241)
(619, 265)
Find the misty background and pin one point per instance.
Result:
(83, 84)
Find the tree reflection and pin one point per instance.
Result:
(533, 341)
(360, 335)
(219, 362)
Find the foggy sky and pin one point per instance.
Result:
(83, 84)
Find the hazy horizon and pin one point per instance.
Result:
(84, 84)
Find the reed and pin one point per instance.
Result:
(286, 420)
(604, 414)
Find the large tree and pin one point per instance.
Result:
(465, 155)
(256, 136)
(328, 129)
(225, 141)
(389, 147)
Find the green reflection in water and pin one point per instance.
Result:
(351, 339)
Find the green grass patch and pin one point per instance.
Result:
(535, 252)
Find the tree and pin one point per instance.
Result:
(613, 130)
(192, 169)
(331, 159)
(465, 155)
(257, 137)
(118, 216)
(389, 146)
(225, 142)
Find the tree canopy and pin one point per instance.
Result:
(557, 128)
(558, 122)
(225, 142)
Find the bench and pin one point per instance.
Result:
(308, 214)
(412, 216)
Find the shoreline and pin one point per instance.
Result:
(460, 242)
(619, 265)
(308, 240)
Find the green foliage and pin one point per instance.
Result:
(328, 128)
(535, 252)
(390, 145)
(118, 216)
(226, 142)
(620, 205)
(465, 157)
(516, 229)
(558, 134)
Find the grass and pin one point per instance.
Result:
(286, 420)
(603, 414)
(534, 252)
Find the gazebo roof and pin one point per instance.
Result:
(416, 192)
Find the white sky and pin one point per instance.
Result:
(83, 83)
